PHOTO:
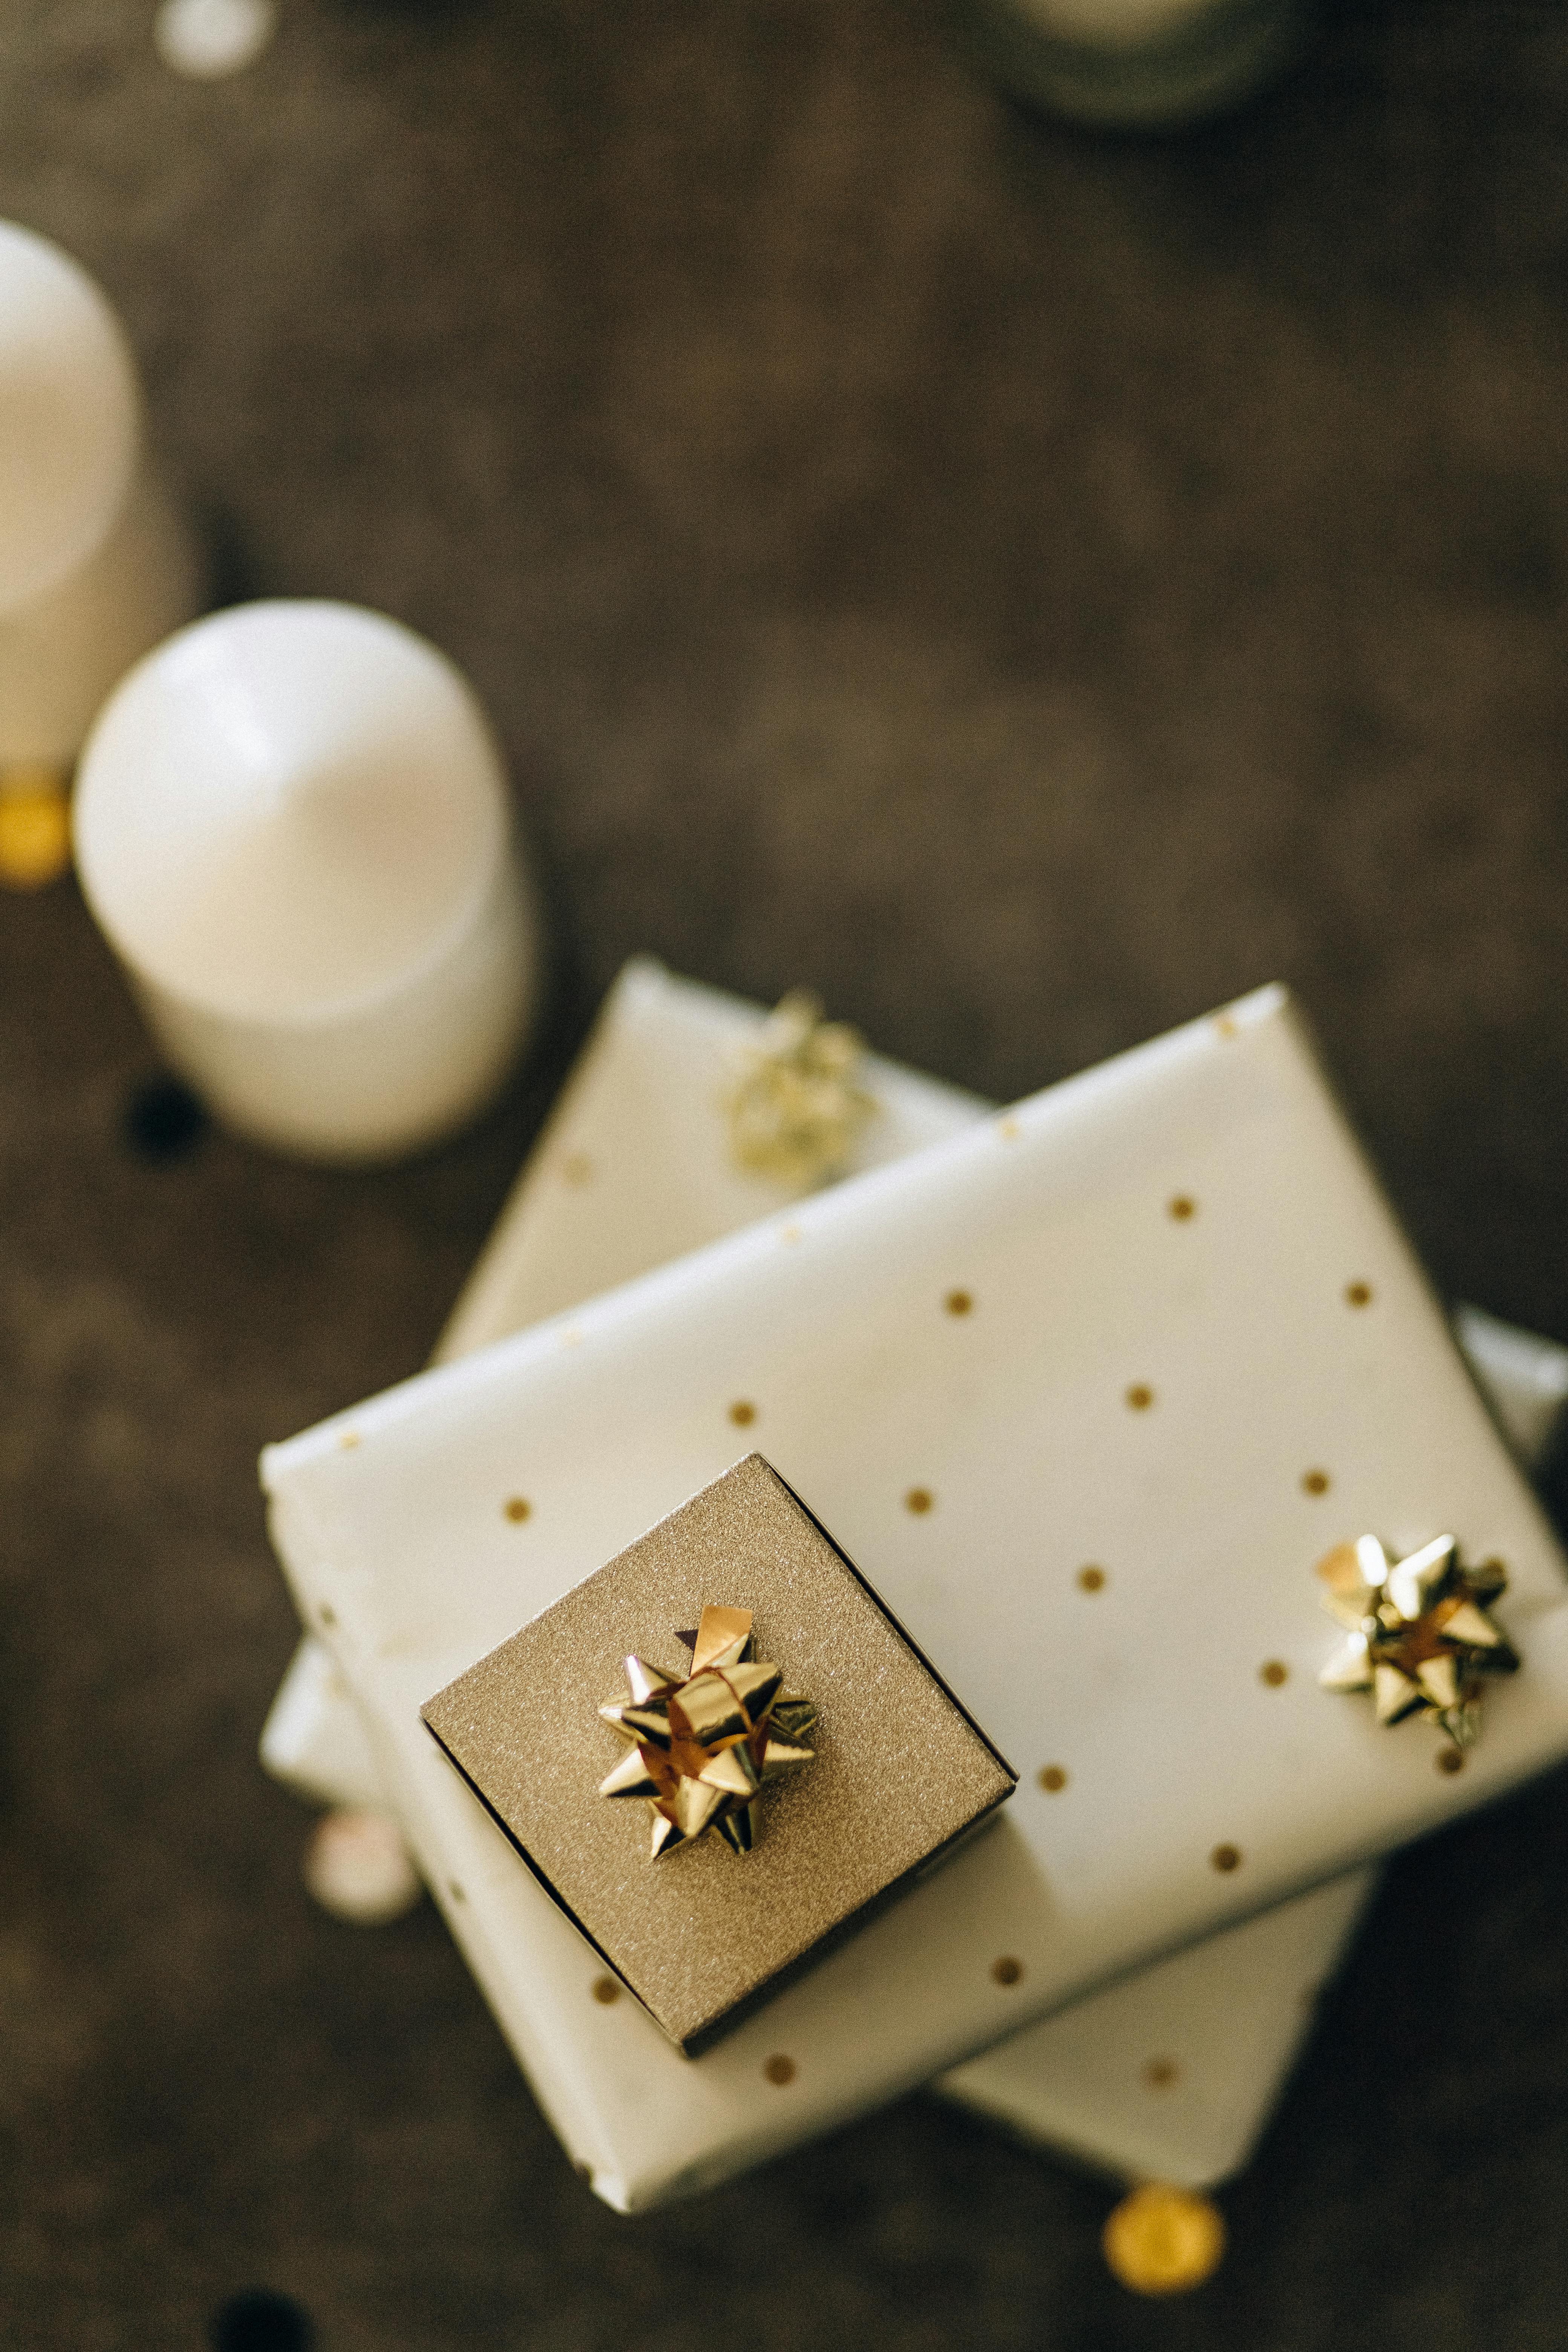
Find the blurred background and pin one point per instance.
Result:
(1027, 583)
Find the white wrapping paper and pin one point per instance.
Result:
(1037, 1881)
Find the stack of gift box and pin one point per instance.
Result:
(973, 1623)
(876, 1590)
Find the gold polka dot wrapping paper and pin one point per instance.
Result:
(1195, 1791)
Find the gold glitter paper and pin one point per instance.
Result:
(1420, 1636)
(899, 1771)
(794, 1109)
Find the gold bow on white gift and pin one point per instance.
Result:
(794, 1109)
(1419, 1637)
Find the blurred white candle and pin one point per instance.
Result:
(94, 567)
(292, 823)
(1139, 64)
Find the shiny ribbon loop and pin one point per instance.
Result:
(1419, 1637)
(703, 1747)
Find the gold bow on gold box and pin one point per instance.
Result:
(703, 1744)
(894, 1774)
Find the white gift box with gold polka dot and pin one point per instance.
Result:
(1194, 1353)
(1170, 2072)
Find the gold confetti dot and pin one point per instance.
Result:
(326, 1613)
(1226, 1026)
(1139, 1397)
(958, 1302)
(1161, 2072)
(1006, 1970)
(577, 1170)
(742, 1413)
(780, 2068)
(1091, 1580)
(1314, 1482)
(348, 1440)
(919, 1500)
(455, 1891)
(518, 1508)
(1225, 1857)
(1163, 2241)
(1274, 1672)
(1052, 1778)
(35, 828)
(1358, 1294)
(1181, 1208)
(1009, 1130)
(1450, 1760)
(605, 1990)
(789, 1236)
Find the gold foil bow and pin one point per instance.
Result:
(794, 1109)
(703, 1744)
(1419, 1639)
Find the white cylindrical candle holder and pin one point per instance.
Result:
(1135, 65)
(292, 825)
(94, 566)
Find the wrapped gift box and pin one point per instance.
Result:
(1157, 1119)
(895, 1774)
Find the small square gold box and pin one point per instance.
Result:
(899, 1770)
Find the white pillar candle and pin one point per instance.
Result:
(94, 568)
(1139, 64)
(292, 825)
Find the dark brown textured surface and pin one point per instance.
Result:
(1029, 587)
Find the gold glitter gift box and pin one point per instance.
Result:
(895, 1774)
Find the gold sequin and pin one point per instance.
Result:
(1358, 1294)
(518, 1510)
(1091, 1580)
(605, 1990)
(919, 1500)
(1163, 2240)
(1274, 1672)
(780, 2068)
(1225, 1857)
(1161, 2072)
(742, 1413)
(1006, 1970)
(35, 826)
(1450, 1760)
(958, 1302)
(1052, 1778)
(326, 1613)
(1140, 1397)
(1181, 1208)
(1314, 1482)
(1009, 1130)
(348, 1440)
